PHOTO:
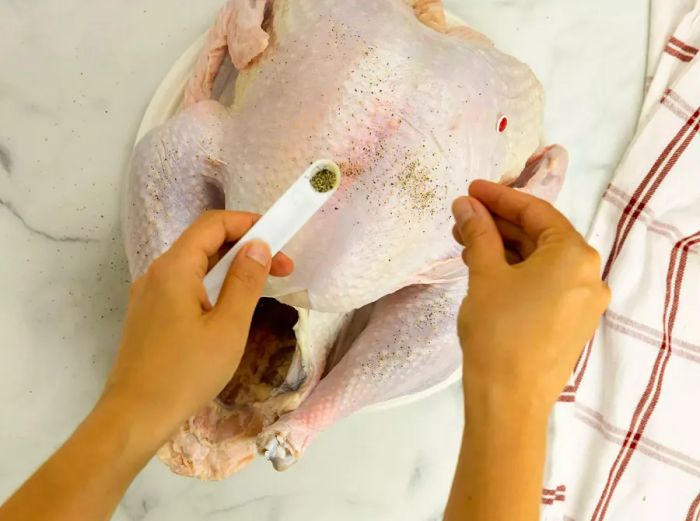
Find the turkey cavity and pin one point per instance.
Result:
(267, 358)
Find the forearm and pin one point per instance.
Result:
(86, 478)
(177, 353)
(500, 470)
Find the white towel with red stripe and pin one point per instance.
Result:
(625, 435)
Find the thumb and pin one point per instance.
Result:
(244, 283)
(483, 246)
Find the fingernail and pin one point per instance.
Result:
(259, 252)
(462, 210)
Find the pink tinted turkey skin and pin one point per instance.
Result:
(409, 345)
(410, 115)
(407, 126)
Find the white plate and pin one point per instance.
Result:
(166, 102)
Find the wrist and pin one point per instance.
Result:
(489, 403)
(126, 418)
(503, 449)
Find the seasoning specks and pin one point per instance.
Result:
(416, 181)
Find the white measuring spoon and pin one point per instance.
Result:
(284, 218)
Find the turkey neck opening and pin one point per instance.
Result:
(267, 358)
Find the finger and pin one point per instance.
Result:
(515, 238)
(518, 245)
(532, 214)
(457, 236)
(214, 259)
(483, 247)
(513, 257)
(512, 252)
(243, 285)
(207, 235)
(282, 266)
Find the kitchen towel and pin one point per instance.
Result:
(625, 434)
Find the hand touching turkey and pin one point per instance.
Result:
(176, 352)
(522, 327)
(170, 319)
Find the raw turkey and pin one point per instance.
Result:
(411, 110)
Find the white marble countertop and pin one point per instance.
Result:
(76, 77)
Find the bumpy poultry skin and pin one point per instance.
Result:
(412, 112)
